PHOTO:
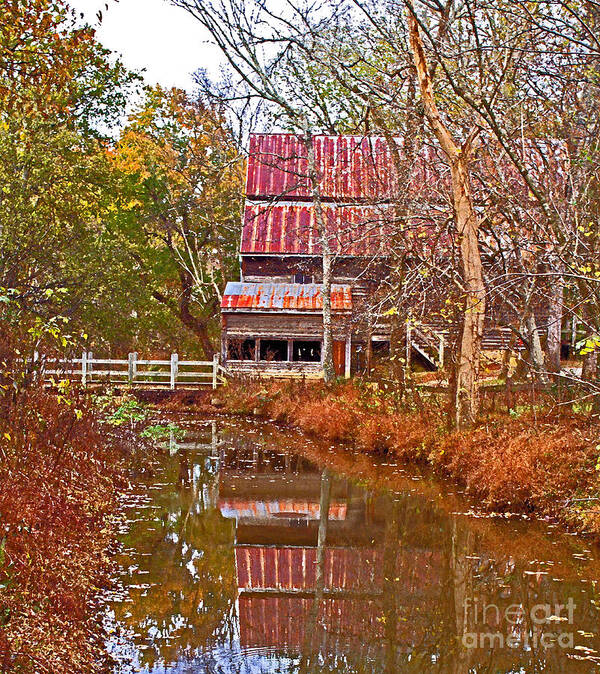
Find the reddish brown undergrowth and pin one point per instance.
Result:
(59, 477)
(538, 460)
(530, 463)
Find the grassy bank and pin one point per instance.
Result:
(60, 476)
(537, 458)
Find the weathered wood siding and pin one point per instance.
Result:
(257, 268)
(293, 325)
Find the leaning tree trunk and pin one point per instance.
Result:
(182, 309)
(467, 225)
(327, 258)
(467, 380)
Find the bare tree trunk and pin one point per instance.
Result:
(590, 366)
(467, 384)
(369, 345)
(327, 258)
(467, 224)
(397, 352)
(535, 347)
(555, 324)
(403, 164)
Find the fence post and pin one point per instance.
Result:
(90, 366)
(215, 369)
(174, 369)
(84, 368)
(131, 358)
(441, 352)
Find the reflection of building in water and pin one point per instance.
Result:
(229, 565)
(275, 500)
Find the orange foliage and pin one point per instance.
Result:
(522, 463)
(59, 480)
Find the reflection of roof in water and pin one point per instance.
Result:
(234, 508)
(349, 569)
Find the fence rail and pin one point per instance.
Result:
(135, 371)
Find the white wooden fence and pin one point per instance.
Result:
(134, 371)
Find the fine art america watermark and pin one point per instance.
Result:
(541, 626)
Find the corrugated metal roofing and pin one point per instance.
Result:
(350, 167)
(291, 229)
(283, 296)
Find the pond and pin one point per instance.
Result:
(246, 548)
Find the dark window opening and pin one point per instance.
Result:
(306, 351)
(273, 349)
(241, 349)
(302, 278)
(381, 348)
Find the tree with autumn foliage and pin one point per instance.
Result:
(59, 89)
(60, 93)
(181, 177)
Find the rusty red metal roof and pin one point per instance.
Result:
(283, 297)
(291, 229)
(350, 167)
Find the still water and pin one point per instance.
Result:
(248, 549)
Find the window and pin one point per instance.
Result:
(306, 351)
(302, 278)
(273, 349)
(381, 348)
(241, 349)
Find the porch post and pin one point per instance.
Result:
(224, 340)
(348, 355)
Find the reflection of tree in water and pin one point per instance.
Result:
(423, 619)
(186, 564)
(411, 567)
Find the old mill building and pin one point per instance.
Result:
(272, 318)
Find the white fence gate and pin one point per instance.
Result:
(135, 371)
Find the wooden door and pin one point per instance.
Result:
(339, 357)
